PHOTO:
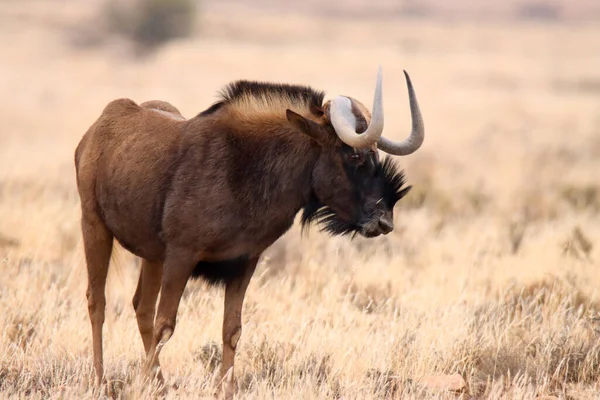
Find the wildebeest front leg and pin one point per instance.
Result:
(178, 267)
(144, 300)
(232, 324)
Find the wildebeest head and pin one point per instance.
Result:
(354, 192)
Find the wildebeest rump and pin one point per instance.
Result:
(205, 196)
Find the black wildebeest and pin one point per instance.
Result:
(204, 197)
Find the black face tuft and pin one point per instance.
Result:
(315, 211)
(388, 181)
(394, 181)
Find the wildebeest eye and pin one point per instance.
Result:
(355, 157)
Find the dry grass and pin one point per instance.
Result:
(492, 271)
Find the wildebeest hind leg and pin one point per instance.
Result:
(98, 244)
(177, 269)
(144, 300)
(235, 291)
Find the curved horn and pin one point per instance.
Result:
(344, 122)
(417, 134)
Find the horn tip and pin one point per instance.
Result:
(379, 74)
(408, 80)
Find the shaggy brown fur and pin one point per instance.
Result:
(205, 197)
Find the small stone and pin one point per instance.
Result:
(6, 241)
(454, 383)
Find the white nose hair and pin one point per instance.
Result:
(386, 225)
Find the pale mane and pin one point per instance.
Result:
(259, 100)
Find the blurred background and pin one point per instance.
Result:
(499, 82)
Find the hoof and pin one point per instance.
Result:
(226, 387)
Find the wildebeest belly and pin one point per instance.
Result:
(130, 190)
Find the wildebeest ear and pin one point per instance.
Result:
(306, 126)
